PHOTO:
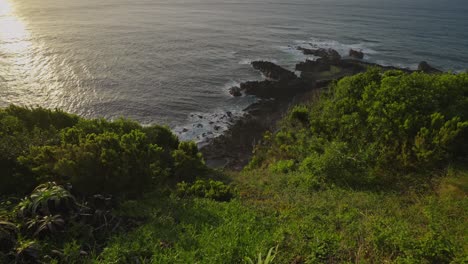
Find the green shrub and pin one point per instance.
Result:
(96, 156)
(188, 162)
(375, 128)
(300, 113)
(21, 128)
(104, 163)
(210, 189)
(282, 166)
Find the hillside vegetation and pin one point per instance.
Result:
(374, 171)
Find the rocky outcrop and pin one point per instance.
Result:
(425, 67)
(261, 89)
(277, 90)
(235, 91)
(357, 54)
(326, 54)
(313, 66)
(234, 148)
(280, 83)
(328, 57)
(273, 71)
(321, 69)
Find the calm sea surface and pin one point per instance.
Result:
(173, 61)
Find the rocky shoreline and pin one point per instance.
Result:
(280, 90)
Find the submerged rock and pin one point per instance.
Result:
(426, 68)
(273, 71)
(357, 54)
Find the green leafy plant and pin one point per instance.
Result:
(27, 252)
(282, 166)
(47, 199)
(271, 255)
(48, 224)
(188, 162)
(300, 113)
(210, 189)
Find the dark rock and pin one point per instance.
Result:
(333, 55)
(326, 54)
(278, 90)
(323, 83)
(217, 128)
(426, 68)
(357, 54)
(273, 71)
(184, 130)
(313, 66)
(200, 125)
(235, 91)
(257, 88)
(228, 113)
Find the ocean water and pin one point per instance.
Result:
(172, 61)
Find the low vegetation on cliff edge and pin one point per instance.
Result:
(372, 172)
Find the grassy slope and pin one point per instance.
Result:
(335, 225)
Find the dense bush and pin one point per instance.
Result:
(373, 128)
(210, 189)
(188, 162)
(95, 156)
(21, 128)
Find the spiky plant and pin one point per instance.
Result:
(268, 258)
(27, 252)
(47, 199)
(48, 224)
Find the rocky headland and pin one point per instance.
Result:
(280, 90)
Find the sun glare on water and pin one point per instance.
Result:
(14, 37)
(27, 75)
(5, 7)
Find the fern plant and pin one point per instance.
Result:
(268, 258)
